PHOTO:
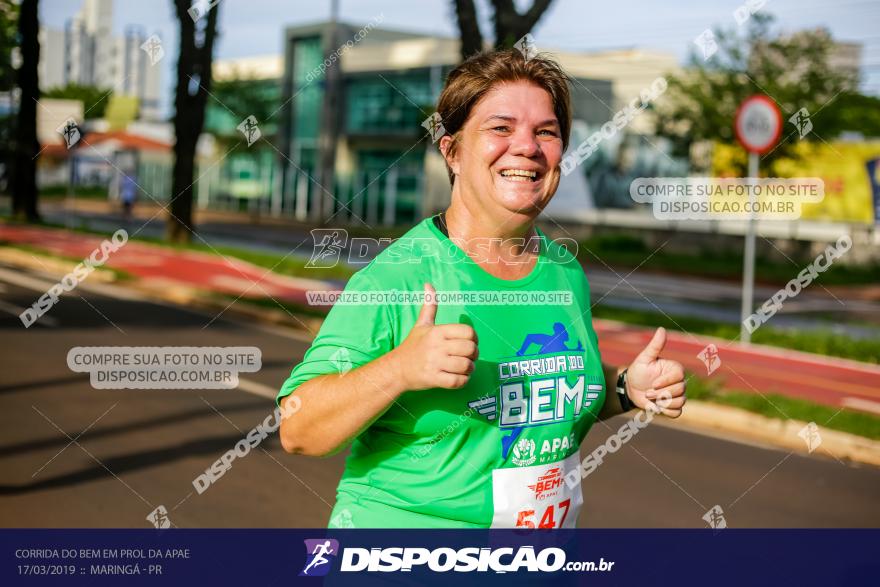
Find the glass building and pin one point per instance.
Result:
(378, 86)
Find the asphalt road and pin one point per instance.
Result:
(73, 456)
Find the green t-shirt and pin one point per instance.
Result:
(495, 452)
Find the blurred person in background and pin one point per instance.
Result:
(128, 195)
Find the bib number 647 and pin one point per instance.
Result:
(527, 518)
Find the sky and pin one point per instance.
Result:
(255, 27)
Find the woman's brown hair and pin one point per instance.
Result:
(470, 81)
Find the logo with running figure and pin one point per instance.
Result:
(549, 343)
(544, 383)
(328, 244)
(319, 552)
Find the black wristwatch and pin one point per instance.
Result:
(625, 402)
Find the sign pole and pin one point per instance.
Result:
(749, 256)
(758, 125)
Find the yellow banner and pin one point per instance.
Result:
(843, 166)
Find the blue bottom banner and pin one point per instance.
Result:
(439, 557)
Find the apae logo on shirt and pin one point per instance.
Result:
(524, 452)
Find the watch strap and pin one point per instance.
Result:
(625, 402)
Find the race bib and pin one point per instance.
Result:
(536, 496)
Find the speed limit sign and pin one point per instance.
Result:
(758, 124)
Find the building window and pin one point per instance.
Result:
(399, 104)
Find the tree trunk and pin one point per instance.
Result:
(469, 27)
(510, 25)
(193, 63)
(24, 167)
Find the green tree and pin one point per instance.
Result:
(793, 70)
(94, 99)
(8, 40)
(855, 112)
(240, 95)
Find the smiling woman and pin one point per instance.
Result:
(508, 121)
(463, 414)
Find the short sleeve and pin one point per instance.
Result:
(352, 335)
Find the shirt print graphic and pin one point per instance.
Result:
(544, 383)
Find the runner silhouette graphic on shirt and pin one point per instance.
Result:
(549, 343)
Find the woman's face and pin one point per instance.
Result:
(511, 130)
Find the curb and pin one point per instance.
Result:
(700, 415)
(162, 292)
(53, 265)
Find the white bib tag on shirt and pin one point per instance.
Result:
(536, 496)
